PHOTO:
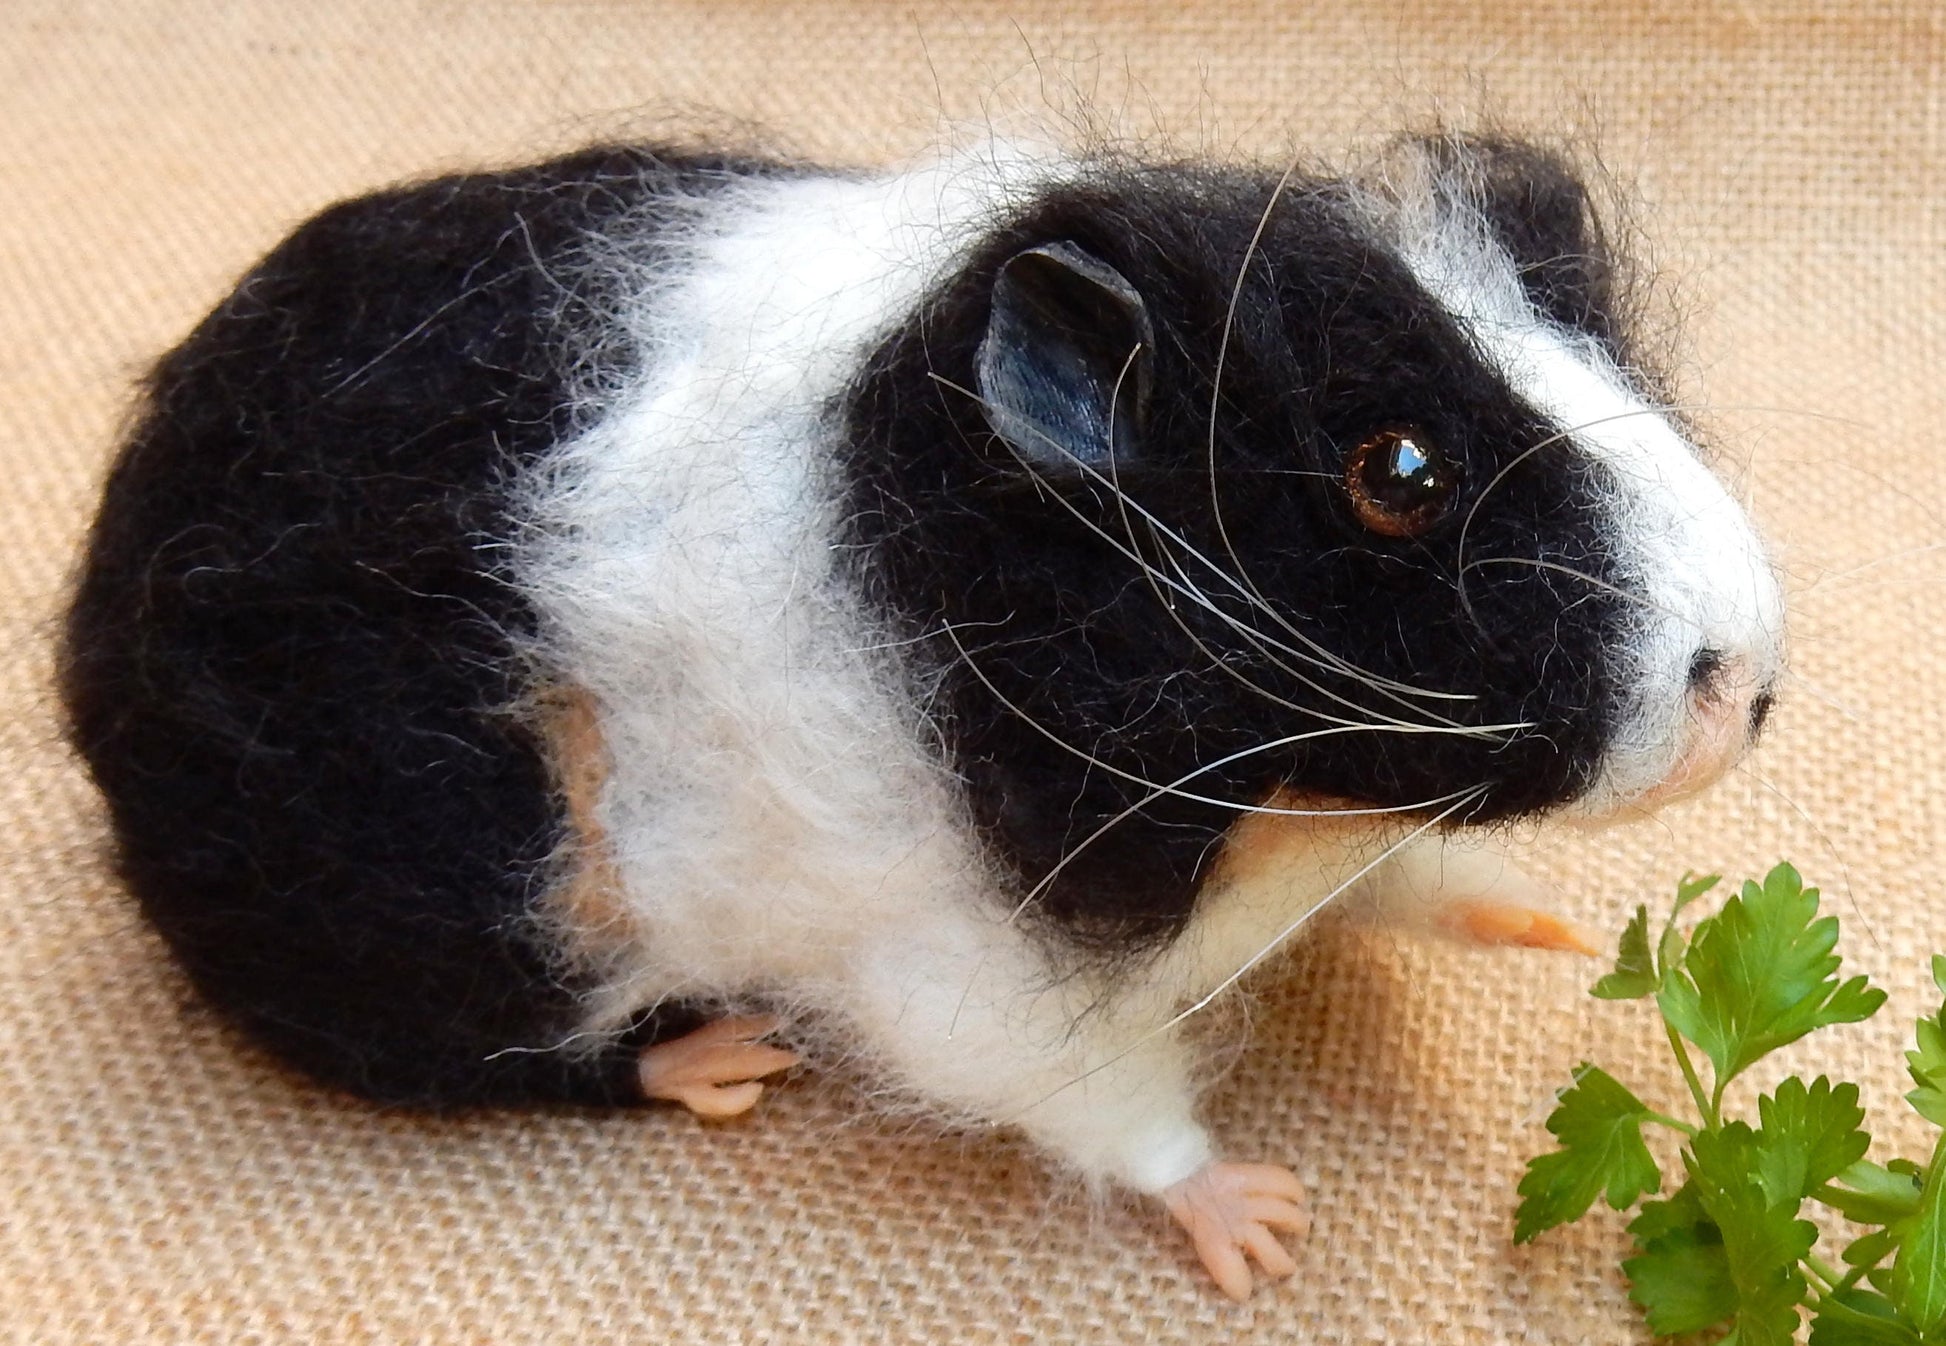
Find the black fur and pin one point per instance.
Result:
(1332, 340)
(290, 661)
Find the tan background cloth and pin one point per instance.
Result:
(161, 1182)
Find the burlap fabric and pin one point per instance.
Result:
(159, 1181)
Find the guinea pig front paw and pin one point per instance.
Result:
(716, 1070)
(1479, 896)
(1231, 1210)
(1480, 921)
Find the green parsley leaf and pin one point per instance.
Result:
(1872, 1195)
(1918, 1283)
(1869, 1250)
(1681, 1276)
(1763, 1241)
(1858, 1317)
(1807, 1137)
(1634, 976)
(1599, 1125)
(1728, 1250)
(1690, 887)
(1927, 1064)
(1659, 1217)
(1682, 1280)
(1758, 975)
(1669, 949)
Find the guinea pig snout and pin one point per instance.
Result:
(1702, 647)
(1726, 703)
(1719, 682)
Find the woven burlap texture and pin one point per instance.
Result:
(160, 1181)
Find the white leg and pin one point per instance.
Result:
(967, 1012)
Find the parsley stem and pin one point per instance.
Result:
(1852, 1277)
(1674, 1124)
(1824, 1272)
(1711, 1121)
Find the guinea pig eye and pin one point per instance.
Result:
(1399, 482)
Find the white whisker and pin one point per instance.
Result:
(1189, 590)
(1156, 580)
(1354, 812)
(1559, 437)
(1223, 356)
(1556, 567)
(1817, 693)
(1241, 578)
(1838, 577)
(1271, 946)
(1216, 660)
(1321, 656)
(1148, 784)
(1824, 838)
(1265, 644)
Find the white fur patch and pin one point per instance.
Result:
(779, 814)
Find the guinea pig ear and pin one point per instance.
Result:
(1542, 214)
(1063, 369)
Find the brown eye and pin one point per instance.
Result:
(1400, 483)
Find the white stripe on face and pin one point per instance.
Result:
(1703, 646)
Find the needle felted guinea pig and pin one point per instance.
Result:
(550, 630)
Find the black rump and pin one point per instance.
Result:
(290, 660)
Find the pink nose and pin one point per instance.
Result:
(1727, 710)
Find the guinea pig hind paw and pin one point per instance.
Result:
(1231, 1213)
(715, 1070)
(1495, 923)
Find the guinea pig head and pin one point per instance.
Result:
(1201, 484)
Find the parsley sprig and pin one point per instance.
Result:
(1731, 1246)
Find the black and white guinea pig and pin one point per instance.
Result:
(550, 627)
